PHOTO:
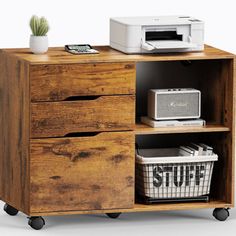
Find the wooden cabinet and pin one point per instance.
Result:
(69, 123)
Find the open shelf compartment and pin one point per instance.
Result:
(213, 78)
(222, 179)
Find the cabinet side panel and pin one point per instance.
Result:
(14, 144)
(1, 121)
(234, 126)
(231, 184)
(228, 74)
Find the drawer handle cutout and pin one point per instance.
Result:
(81, 98)
(85, 134)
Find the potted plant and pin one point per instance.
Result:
(38, 39)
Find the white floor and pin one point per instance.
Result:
(171, 223)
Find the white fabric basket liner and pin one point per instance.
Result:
(169, 155)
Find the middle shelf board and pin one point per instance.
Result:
(142, 129)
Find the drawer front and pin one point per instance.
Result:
(83, 173)
(106, 113)
(58, 82)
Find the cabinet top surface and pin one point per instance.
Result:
(58, 55)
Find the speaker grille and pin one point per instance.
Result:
(178, 105)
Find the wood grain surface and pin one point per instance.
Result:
(139, 207)
(84, 173)
(143, 129)
(59, 56)
(228, 75)
(106, 113)
(58, 82)
(14, 132)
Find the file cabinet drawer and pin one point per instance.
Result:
(82, 173)
(59, 82)
(105, 113)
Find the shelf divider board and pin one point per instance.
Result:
(142, 129)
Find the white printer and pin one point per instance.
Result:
(156, 34)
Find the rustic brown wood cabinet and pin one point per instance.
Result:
(69, 126)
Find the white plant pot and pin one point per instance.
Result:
(38, 44)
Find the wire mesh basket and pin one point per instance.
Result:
(161, 174)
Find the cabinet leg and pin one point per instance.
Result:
(221, 214)
(10, 210)
(113, 215)
(36, 222)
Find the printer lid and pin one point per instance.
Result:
(156, 20)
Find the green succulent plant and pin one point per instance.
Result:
(39, 26)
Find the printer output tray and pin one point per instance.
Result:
(170, 44)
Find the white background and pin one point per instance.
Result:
(87, 21)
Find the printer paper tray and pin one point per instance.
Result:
(170, 44)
